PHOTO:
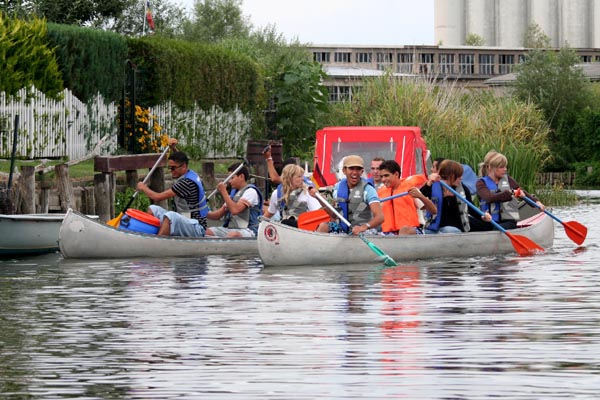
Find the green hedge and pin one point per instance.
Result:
(26, 58)
(91, 61)
(188, 73)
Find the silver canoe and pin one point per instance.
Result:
(29, 233)
(281, 245)
(81, 237)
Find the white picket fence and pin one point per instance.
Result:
(69, 128)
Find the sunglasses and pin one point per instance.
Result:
(173, 167)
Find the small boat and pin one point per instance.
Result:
(282, 245)
(23, 234)
(82, 237)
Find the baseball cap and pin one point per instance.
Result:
(353, 161)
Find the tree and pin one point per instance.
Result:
(293, 83)
(474, 39)
(216, 20)
(81, 12)
(536, 38)
(169, 19)
(552, 81)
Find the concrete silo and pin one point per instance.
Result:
(449, 22)
(481, 20)
(575, 23)
(511, 22)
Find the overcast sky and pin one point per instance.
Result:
(376, 22)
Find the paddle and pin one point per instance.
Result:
(394, 196)
(523, 245)
(117, 220)
(227, 179)
(387, 260)
(574, 230)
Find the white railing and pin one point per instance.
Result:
(69, 128)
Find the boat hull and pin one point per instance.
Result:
(23, 234)
(81, 237)
(281, 245)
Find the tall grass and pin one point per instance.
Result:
(457, 123)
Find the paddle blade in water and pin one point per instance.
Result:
(523, 245)
(575, 231)
(387, 260)
(115, 221)
(310, 220)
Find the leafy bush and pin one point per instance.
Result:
(587, 174)
(26, 59)
(141, 201)
(91, 61)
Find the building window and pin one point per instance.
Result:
(446, 62)
(486, 64)
(342, 57)
(466, 64)
(586, 59)
(339, 93)
(426, 64)
(506, 63)
(321, 56)
(384, 61)
(405, 63)
(364, 57)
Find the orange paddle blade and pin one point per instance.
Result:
(115, 221)
(575, 231)
(309, 220)
(523, 245)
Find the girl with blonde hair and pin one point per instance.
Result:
(291, 198)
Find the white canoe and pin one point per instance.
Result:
(29, 233)
(281, 245)
(82, 237)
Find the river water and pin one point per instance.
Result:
(225, 328)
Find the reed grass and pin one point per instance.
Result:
(456, 123)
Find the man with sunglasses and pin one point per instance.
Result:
(188, 195)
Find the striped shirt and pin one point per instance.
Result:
(186, 189)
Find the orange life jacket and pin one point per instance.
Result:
(400, 211)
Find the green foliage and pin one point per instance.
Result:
(169, 19)
(536, 38)
(300, 97)
(91, 61)
(587, 174)
(550, 80)
(456, 125)
(141, 201)
(188, 73)
(80, 12)
(556, 195)
(26, 58)
(216, 20)
(474, 39)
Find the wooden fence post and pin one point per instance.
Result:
(27, 189)
(102, 193)
(65, 187)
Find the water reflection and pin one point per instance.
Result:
(219, 327)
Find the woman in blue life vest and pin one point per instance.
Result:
(453, 216)
(498, 192)
(292, 197)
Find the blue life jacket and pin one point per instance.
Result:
(508, 210)
(182, 205)
(437, 197)
(354, 209)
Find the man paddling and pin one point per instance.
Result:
(188, 193)
(358, 200)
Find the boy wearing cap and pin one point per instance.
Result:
(357, 199)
